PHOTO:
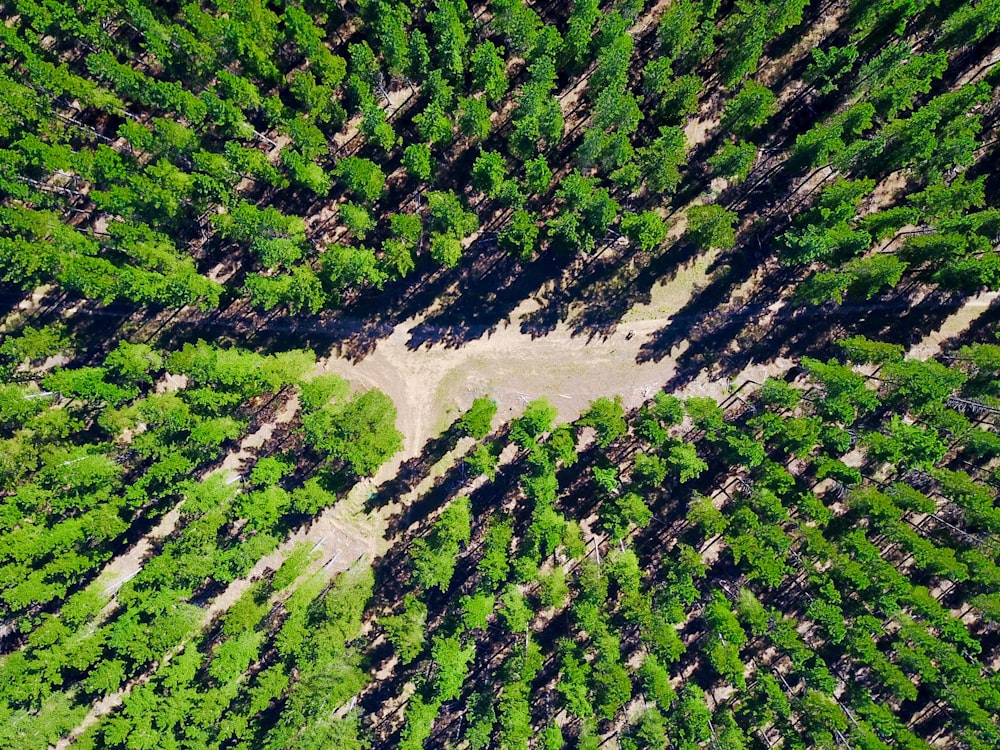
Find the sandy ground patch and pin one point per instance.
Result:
(235, 460)
(954, 324)
(508, 365)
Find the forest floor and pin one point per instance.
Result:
(432, 385)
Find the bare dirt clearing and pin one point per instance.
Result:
(431, 384)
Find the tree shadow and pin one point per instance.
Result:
(501, 284)
(414, 470)
(983, 330)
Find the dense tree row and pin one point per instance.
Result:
(814, 565)
(93, 456)
(141, 143)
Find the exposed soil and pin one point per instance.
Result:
(953, 325)
(430, 383)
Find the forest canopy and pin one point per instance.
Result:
(499, 374)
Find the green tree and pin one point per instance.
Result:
(450, 22)
(489, 172)
(375, 126)
(561, 445)
(906, 445)
(647, 230)
(861, 277)
(515, 714)
(481, 717)
(579, 35)
(573, 680)
(744, 34)
(33, 345)
(706, 414)
(408, 227)
(357, 219)
(674, 97)
(452, 660)
(831, 140)
(474, 118)
(434, 557)
(862, 351)
(517, 23)
(361, 432)
(514, 610)
(620, 513)
(489, 73)
(969, 23)
(476, 610)
(551, 738)
(734, 160)
(393, 40)
(417, 160)
(406, 630)
(446, 250)
(607, 417)
(923, 386)
(691, 717)
(449, 216)
(539, 416)
(305, 172)
(478, 420)
(363, 177)
(612, 686)
(703, 513)
(654, 419)
(649, 471)
(586, 214)
(711, 226)
(661, 160)
(650, 731)
(729, 638)
(678, 29)
(418, 723)
(828, 66)
(483, 461)
(778, 393)
(134, 363)
(364, 64)
(538, 120)
(520, 236)
(683, 458)
(846, 393)
(275, 238)
(537, 175)
(554, 589)
(434, 122)
(752, 106)
(655, 678)
(495, 562)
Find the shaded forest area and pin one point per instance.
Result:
(199, 202)
(328, 170)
